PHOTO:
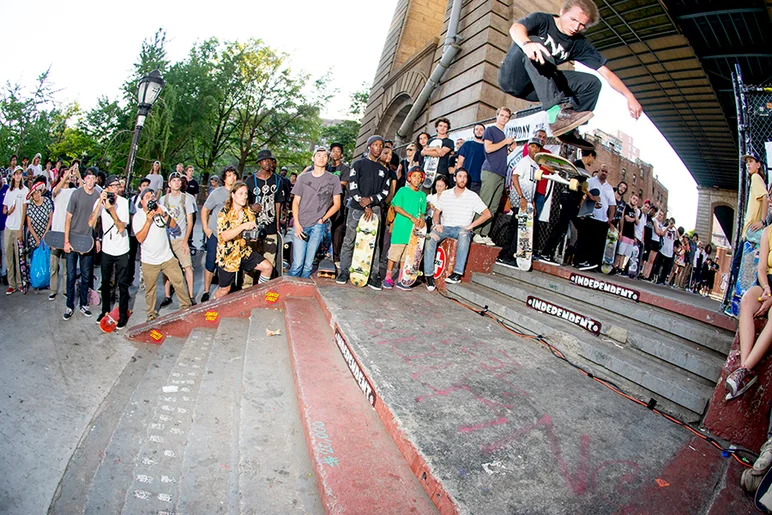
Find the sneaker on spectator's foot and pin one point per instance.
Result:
(547, 258)
(52, 296)
(430, 283)
(401, 286)
(586, 265)
(738, 382)
(453, 278)
(205, 297)
(488, 241)
(342, 277)
(478, 239)
(100, 317)
(388, 283)
(507, 261)
(86, 312)
(10, 290)
(67, 314)
(121, 324)
(192, 301)
(764, 461)
(374, 283)
(165, 302)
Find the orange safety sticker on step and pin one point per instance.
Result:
(271, 296)
(156, 335)
(211, 316)
(662, 483)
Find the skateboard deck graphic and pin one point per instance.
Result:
(524, 254)
(431, 164)
(364, 246)
(632, 271)
(610, 251)
(411, 266)
(23, 271)
(81, 244)
(109, 322)
(562, 170)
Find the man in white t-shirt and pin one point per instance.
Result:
(157, 257)
(15, 209)
(594, 229)
(453, 218)
(180, 206)
(114, 212)
(69, 181)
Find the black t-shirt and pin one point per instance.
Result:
(628, 229)
(562, 47)
(444, 162)
(267, 193)
(193, 188)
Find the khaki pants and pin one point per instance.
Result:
(170, 269)
(490, 193)
(11, 251)
(56, 255)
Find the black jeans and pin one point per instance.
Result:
(592, 240)
(121, 264)
(522, 78)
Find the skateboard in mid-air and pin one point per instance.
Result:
(411, 266)
(562, 171)
(524, 253)
(81, 243)
(364, 246)
(575, 140)
(431, 164)
(109, 322)
(609, 251)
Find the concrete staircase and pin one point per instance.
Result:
(647, 350)
(210, 423)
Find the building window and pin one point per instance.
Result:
(640, 194)
(633, 179)
(624, 174)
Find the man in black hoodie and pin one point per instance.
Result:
(368, 188)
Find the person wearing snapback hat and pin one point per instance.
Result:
(113, 210)
(180, 206)
(409, 204)
(266, 196)
(369, 185)
(317, 199)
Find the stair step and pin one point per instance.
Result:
(106, 486)
(665, 381)
(209, 482)
(679, 325)
(358, 465)
(157, 472)
(275, 472)
(665, 346)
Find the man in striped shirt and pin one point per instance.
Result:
(457, 208)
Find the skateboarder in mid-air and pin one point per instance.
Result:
(529, 71)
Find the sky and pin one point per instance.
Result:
(99, 44)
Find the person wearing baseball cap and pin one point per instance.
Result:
(369, 184)
(316, 200)
(266, 195)
(409, 205)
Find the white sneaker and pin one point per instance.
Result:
(479, 239)
(488, 241)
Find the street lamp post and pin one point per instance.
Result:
(150, 87)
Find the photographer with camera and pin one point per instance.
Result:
(114, 212)
(150, 225)
(235, 225)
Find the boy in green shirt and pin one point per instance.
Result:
(410, 206)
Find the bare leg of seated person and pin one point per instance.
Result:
(752, 350)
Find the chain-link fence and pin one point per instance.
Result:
(759, 126)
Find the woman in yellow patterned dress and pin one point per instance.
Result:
(233, 253)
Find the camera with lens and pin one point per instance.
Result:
(110, 197)
(152, 205)
(254, 234)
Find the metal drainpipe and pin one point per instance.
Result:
(452, 49)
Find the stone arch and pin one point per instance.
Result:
(726, 216)
(396, 96)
